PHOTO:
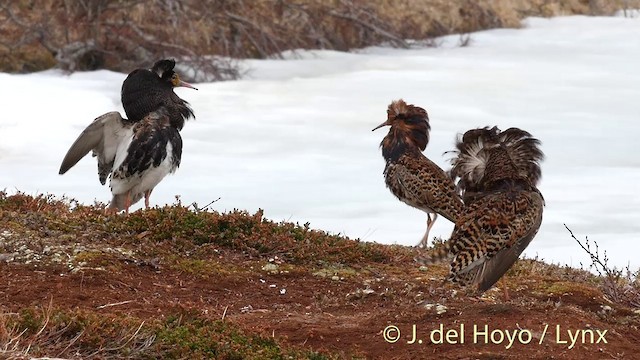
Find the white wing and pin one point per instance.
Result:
(104, 135)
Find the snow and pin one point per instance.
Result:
(294, 137)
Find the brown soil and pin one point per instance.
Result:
(331, 315)
(337, 310)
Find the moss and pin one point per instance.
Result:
(205, 268)
(93, 258)
(28, 321)
(564, 287)
(583, 295)
(78, 333)
(202, 338)
(332, 271)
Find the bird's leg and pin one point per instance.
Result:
(430, 221)
(146, 198)
(503, 284)
(127, 202)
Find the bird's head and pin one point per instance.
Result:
(164, 69)
(145, 91)
(409, 127)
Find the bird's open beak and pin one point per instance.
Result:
(379, 126)
(187, 85)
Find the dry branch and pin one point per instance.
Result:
(114, 304)
(620, 287)
(385, 34)
(206, 35)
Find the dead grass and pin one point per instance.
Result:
(200, 234)
(621, 286)
(117, 35)
(65, 334)
(181, 280)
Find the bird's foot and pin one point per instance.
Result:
(110, 211)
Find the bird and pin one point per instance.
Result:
(137, 152)
(409, 174)
(496, 173)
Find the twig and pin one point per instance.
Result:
(197, 209)
(595, 258)
(400, 42)
(265, 35)
(75, 338)
(114, 304)
(48, 315)
(149, 38)
(224, 313)
(16, 339)
(619, 291)
(128, 341)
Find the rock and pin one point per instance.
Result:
(439, 308)
(6, 257)
(270, 267)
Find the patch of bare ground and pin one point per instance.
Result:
(178, 282)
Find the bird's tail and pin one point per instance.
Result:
(473, 149)
(524, 152)
(437, 255)
(470, 157)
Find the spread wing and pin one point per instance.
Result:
(494, 268)
(491, 238)
(102, 137)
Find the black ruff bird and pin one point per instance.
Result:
(497, 174)
(140, 151)
(411, 176)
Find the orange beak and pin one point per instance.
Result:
(186, 84)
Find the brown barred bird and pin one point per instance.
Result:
(497, 173)
(140, 151)
(409, 174)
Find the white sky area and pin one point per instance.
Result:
(294, 136)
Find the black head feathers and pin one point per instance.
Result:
(164, 67)
(145, 91)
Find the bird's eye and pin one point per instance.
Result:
(175, 80)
